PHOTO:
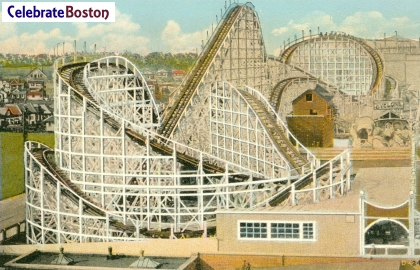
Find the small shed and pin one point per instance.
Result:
(312, 121)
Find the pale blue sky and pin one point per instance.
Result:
(180, 25)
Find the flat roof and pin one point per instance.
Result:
(383, 186)
(93, 260)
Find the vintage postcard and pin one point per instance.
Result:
(209, 134)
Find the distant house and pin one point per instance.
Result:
(3, 97)
(178, 73)
(148, 75)
(13, 114)
(163, 73)
(16, 85)
(4, 114)
(312, 121)
(34, 95)
(35, 114)
(49, 123)
(36, 79)
(19, 95)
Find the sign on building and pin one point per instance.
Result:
(388, 104)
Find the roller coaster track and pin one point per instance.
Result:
(390, 87)
(197, 74)
(287, 54)
(277, 135)
(378, 62)
(72, 74)
(322, 173)
(46, 159)
(277, 92)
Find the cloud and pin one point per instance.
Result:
(27, 43)
(279, 31)
(122, 35)
(370, 24)
(7, 29)
(176, 41)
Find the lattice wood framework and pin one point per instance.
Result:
(114, 174)
(344, 61)
(119, 86)
(238, 58)
(133, 175)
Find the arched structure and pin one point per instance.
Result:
(344, 61)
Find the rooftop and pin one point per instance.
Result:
(37, 259)
(380, 189)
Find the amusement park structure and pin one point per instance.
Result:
(121, 166)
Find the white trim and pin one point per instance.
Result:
(385, 219)
(270, 222)
(280, 211)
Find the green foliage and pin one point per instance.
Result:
(12, 167)
(153, 61)
(157, 60)
(25, 62)
(12, 164)
(45, 138)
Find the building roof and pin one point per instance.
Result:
(178, 71)
(45, 109)
(34, 93)
(39, 80)
(36, 69)
(14, 109)
(28, 107)
(163, 70)
(37, 259)
(16, 82)
(389, 115)
(19, 93)
(320, 91)
(3, 110)
(49, 120)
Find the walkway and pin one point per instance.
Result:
(12, 211)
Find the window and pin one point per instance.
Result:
(285, 230)
(277, 231)
(313, 112)
(253, 230)
(308, 231)
(308, 97)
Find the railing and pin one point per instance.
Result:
(107, 218)
(313, 162)
(118, 60)
(293, 193)
(310, 36)
(386, 251)
(11, 231)
(175, 94)
(344, 170)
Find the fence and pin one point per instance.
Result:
(11, 231)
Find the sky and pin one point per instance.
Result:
(175, 26)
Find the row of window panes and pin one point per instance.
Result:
(277, 230)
